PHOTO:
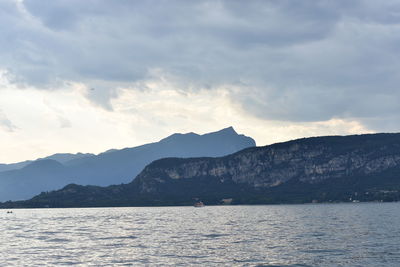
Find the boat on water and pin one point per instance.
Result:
(199, 204)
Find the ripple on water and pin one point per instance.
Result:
(215, 235)
(59, 240)
(117, 237)
(284, 235)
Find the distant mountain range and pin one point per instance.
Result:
(320, 169)
(25, 179)
(60, 157)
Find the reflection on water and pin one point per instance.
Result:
(281, 235)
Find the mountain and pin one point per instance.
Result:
(113, 166)
(20, 183)
(66, 157)
(318, 169)
(13, 166)
(60, 157)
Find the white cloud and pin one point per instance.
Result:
(65, 120)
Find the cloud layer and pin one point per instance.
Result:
(65, 120)
(281, 62)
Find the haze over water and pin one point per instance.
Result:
(281, 235)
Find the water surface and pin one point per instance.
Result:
(277, 235)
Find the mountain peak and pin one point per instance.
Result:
(178, 136)
(228, 130)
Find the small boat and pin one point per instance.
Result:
(199, 204)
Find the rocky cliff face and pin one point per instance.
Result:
(310, 160)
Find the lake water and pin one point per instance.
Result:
(282, 235)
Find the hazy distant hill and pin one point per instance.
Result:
(319, 169)
(60, 157)
(113, 166)
(66, 157)
(13, 166)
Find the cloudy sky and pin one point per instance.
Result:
(93, 75)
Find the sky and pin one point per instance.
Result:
(88, 76)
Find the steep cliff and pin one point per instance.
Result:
(311, 160)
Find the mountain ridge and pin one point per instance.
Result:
(317, 169)
(116, 166)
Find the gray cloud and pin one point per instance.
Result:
(6, 124)
(64, 122)
(293, 60)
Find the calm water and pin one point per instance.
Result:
(283, 235)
